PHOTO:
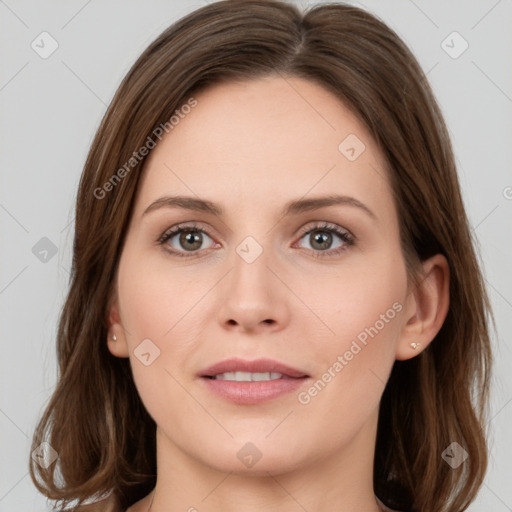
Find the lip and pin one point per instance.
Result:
(251, 393)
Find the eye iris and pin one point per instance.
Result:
(190, 237)
(323, 238)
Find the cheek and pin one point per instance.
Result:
(365, 313)
(157, 308)
(153, 299)
(367, 295)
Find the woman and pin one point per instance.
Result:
(275, 301)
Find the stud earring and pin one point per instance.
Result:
(414, 345)
(114, 338)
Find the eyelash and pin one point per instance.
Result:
(345, 236)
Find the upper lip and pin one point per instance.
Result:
(256, 366)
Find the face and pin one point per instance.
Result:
(284, 256)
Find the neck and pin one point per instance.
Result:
(341, 480)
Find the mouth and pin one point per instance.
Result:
(252, 382)
(248, 376)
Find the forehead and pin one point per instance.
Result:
(281, 135)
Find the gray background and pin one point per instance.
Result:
(50, 109)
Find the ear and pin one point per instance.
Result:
(116, 342)
(426, 308)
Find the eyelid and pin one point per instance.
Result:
(190, 226)
(318, 225)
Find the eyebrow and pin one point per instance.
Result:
(290, 208)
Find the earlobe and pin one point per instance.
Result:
(426, 309)
(116, 342)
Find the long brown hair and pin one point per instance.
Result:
(95, 419)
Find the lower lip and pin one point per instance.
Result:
(249, 393)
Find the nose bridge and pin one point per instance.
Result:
(250, 279)
(251, 295)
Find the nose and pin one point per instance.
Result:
(253, 298)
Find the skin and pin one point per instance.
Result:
(250, 148)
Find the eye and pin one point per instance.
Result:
(322, 239)
(183, 239)
(187, 240)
